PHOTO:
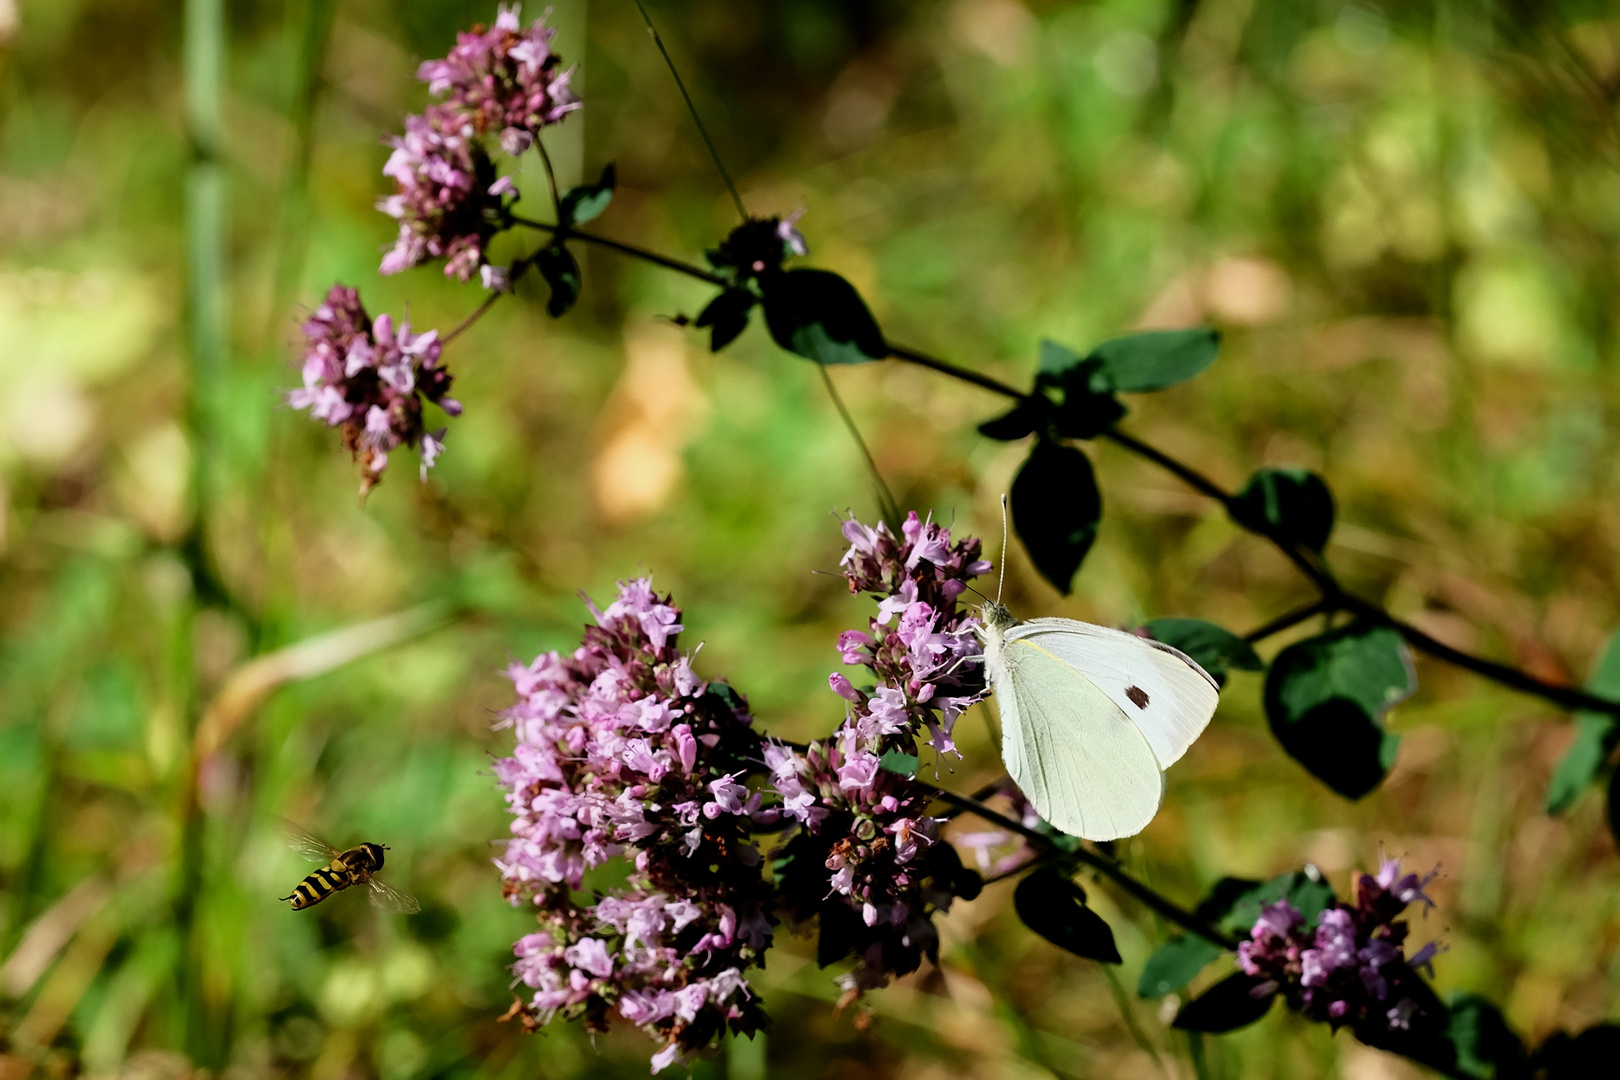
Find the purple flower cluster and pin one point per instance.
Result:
(866, 860)
(1351, 968)
(623, 750)
(448, 200)
(369, 378)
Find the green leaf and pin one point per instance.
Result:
(1596, 735)
(1055, 908)
(1088, 406)
(1226, 1006)
(1156, 359)
(1582, 762)
(556, 264)
(1309, 894)
(1614, 803)
(1175, 964)
(1326, 698)
(1055, 510)
(726, 316)
(819, 316)
(1025, 418)
(1570, 1057)
(1215, 649)
(587, 201)
(1485, 1046)
(1291, 504)
(896, 762)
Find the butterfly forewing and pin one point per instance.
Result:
(388, 898)
(1086, 767)
(1160, 689)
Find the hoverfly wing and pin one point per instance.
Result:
(388, 898)
(306, 843)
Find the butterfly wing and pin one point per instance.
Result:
(1161, 689)
(1086, 767)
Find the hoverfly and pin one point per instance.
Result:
(356, 866)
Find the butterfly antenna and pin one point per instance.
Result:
(1002, 577)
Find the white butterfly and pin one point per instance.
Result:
(1091, 718)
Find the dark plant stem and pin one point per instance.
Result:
(519, 267)
(1101, 863)
(627, 249)
(1308, 562)
(1286, 621)
(551, 178)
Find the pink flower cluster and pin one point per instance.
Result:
(623, 750)
(1351, 968)
(369, 378)
(866, 861)
(448, 200)
(504, 79)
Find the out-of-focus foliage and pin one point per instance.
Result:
(1402, 218)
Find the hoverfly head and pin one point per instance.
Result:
(375, 853)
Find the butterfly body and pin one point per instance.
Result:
(1091, 717)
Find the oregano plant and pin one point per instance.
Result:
(627, 751)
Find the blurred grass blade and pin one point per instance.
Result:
(49, 933)
(249, 685)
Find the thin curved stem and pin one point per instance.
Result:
(1171, 911)
(1308, 562)
(622, 248)
(1287, 621)
(551, 177)
(890, 508)
(703, 132)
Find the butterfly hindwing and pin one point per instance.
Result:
(1087, 768)
(1162, 690)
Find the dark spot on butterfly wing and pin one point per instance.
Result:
(1138, 696)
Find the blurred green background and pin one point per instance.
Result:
(1404, 218)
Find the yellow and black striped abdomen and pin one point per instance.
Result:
(321, 884)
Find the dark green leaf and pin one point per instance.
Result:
(1485, 1047)
(1291, 504)
(1055, 510)
(1088, 406)
(1596, 735)
(556, 264)
(1055, 908)
(896, 762)
(727, 316)
(1025, 418)
(1156, 359)
(581, 204)
(1309, 894)
(1226, 1006)
(1426, 1038)
(1175, 964)
(1614, 803)
(1216, 650)
(1326, 697)
(1582, 762)
(838, 930)
(1576, 1057)
(820, 316)
(946, 867)
(1226, 893)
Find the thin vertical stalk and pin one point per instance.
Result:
(207, 319)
